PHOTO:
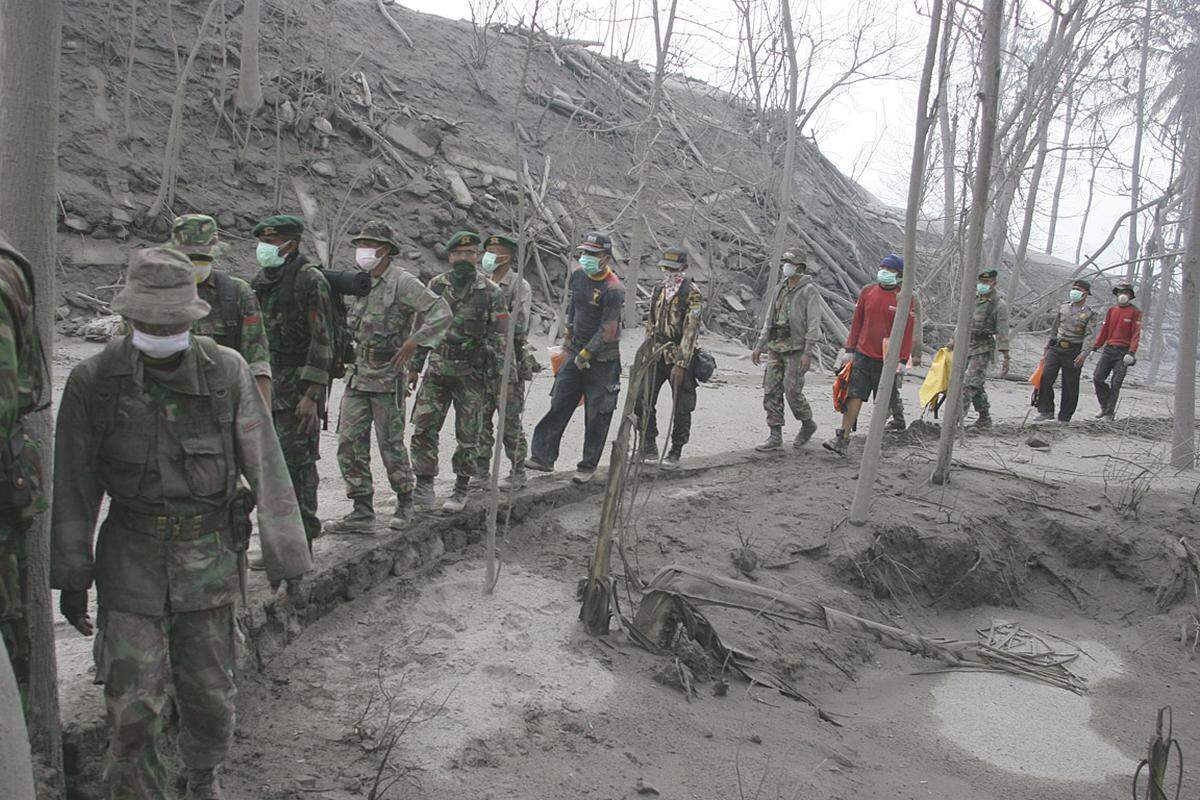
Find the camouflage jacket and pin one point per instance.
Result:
(297, 309)
(383, 320)
(989, 325)
(167, 446)
(475, 340)
(23, 385)
(1071, 324)
(518, 299)
(794, 322)
(241, 327)
(675, 321)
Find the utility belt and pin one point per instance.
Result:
(289, 359)
(1067, 344)
(370, 356)
(167, 527)
(473, 352)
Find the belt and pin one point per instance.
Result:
(169, 528)
(1068, 344)
(377, 356)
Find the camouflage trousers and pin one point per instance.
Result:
(360, 411)
(783, 379)
(896, 405)
(137, 658)
(516, 446)
(437, 393)
(301, 452)
(975, 382)
(14, 620)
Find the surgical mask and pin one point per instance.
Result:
(983, 288)
(268, 255)
(1076, 295)
(788, 270)
(488, 263)
(366, 258)
(590, 264)
(886, 277)
(201, 268)
(161, 346)
(1123, 299)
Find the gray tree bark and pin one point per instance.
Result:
(1072, 104)
(249, 97)
(1139, 128)
(1035, 180)
(788, 179)
(1183, 428)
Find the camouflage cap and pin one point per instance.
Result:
(377, 231)
(501, 240)
(674, 258)
(462, 238)
(988, 272)
(793, 257)
(279, 225)
(196, 235)
(160, 289)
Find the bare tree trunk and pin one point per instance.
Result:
(869, 465)
(1095, 159)
(1035, 180)
(993, 22)
(127, 98)
(1183, 433)
(249, 96)
(1159, 317)
(30, 39)
(788, 179)
(949, 204)
(1072, 104)
(1139, 128)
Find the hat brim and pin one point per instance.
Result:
(395, 247)
(672, 264)
(591, 248)
(160, 314)
(210, 250)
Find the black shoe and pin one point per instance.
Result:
(984, 422)
(538, 466)
(671, 461)
(896, 424)
(650, 453)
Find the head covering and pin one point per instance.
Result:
(160, 289)
(196, 235)
(893, 262)
(793, 257)
(674, 258)
(1124, 287)
(501, 240)
(279, 225)
(377, 231)
(596, 242)
(1082, 284)
(989, 272)
(461, 238)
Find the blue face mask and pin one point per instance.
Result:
(590, 264)
(268, 255)
(1076, 295)
(886, 277)
(488, 263)
(983, 288)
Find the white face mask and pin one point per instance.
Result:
(161, 346)
(788, 269)
(366, 258)
(201, 269)
(1123, 299)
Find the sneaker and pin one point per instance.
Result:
(774, 440)
(515, 480)
(1107, 416)
(1102, 414)
(458, 498)
(538, 466)
(839, 444)
(896, 424)
(1043, 416)
(402, 515)
(650, 453)
(423, 497)
(807, 429)
(360, 519)
(671, 461)
(984, 422)
(583, 475)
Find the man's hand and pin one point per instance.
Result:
(805, 363)
(414, 375)
(307, 411)
(1129, 359)
(1079, 359)
(294, 591)
(582, 363)
(73, 606)
(404, 354)
(678, 373)
(756, 356)
(1004, 364)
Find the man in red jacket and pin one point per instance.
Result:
(1119, 339)
(872, 323)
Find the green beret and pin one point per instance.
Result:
(279, 225)
(503, 240)
(462, 237)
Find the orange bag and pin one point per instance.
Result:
(841, 387)
(558, 357)
(1036, 378)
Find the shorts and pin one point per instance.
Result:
(864, 377)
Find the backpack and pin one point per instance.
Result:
(229, 310)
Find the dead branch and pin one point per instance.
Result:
(395, 25)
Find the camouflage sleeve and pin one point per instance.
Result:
(10, 363)
(260, 459)
(812, 322)
(320, 324)
(1002, 326)
(500, 317)
(255, 348)
(418, 362)
(77, 492)
(433, 312)
(691, 328)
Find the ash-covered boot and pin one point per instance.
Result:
(483, 474)
(403, 513)
(458, 498)
(807, 429)
(671, 461)
(774, 440)
(423, 496)
(515, 480)
(839, 444)
(360, 519)
(649, 452)
(203, 784)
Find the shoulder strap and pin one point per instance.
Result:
(229, 307)
(221, 392)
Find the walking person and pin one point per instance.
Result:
(1118, 344)
(673, 322)
(593, 369)
(1065, 353)
(789, 338)
(396, 317)
(989, 333)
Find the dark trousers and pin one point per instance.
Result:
(1112, 362)
(684, 404)
(599, 386)
(1059, 358)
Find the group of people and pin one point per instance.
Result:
(209, 409)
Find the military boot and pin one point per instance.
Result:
(483, 474)
(359, 520)
(516, 479)
(458, 498)
(774, 440)
(673, 456)
(839, 444)
(807, 429)
(423, 497)
(984, 422)
(896, 423)
(403, 513)
(203, 784)
(649, 452)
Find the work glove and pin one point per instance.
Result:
(845, 357)
(73, 606)
(1130, 359)
(581, 362)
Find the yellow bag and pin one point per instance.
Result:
(937, 382)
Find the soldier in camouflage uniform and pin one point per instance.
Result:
(298, 310)
(989, 333)
(500, 252)
(236, 320)
(165, 423)
(1065, 352)
(24, 387)
(459, 371)
(789, 337)
(674, 321)
(385, 340)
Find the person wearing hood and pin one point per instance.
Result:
(789, 339)
(989, 333)
(1066, 353)
(458, 373)
(1118, 344)
(388, 324)
(673, 323)
(872, 324)
(166, 424)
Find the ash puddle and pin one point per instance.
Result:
(496, 657)
(1031, 729)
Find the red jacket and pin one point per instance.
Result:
(872, 323)
(1122, 328)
